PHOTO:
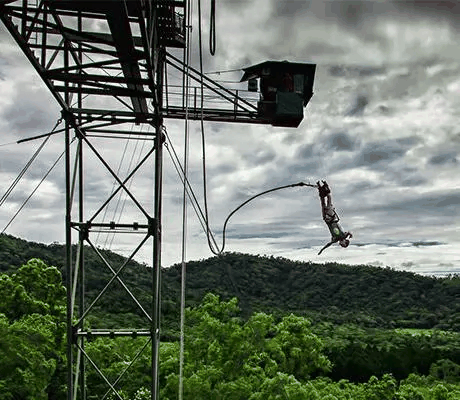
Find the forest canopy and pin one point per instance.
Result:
(256, 328)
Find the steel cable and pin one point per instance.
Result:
(28, 164)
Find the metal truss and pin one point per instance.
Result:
(105, 63)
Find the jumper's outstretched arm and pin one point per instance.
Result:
(326, 246)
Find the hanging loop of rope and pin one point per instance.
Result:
(212, 29)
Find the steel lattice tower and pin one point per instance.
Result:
(105, 62)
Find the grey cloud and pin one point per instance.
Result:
(364, 186)
(306, 152)
(442, 204)
(408, 141)
(352, 71)
(29, 112)
(350, 13)
(413, 181)
(20, 196)
(255, 235)
(290, 9)
(259, 157)
(341, 141)
(384, 110)
(359, 105)
(405, 176)
(426, 244)
(3, 64)
(235, 5)
(316, 48)
(376, 152)
(303, 168)
(347, 13)
(26, 120)
(408, 264)
(222, 169)
(444, 158)
(444, 9)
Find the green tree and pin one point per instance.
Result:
(446, 370)
(32, 332)
(227, 358)
(296, 349)
(35, 288)
(27, 356)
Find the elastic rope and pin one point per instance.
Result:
(219, 252)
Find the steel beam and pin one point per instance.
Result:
(125, 63)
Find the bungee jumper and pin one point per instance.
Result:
(331, 218)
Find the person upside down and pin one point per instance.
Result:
(331, 218)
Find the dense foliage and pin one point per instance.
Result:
(32, 327)
(298, 330)
(363, 295)
(259, 358)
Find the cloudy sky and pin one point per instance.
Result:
(382, 128)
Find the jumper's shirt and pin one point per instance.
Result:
(332, 220)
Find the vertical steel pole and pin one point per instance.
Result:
(81, 265)
(159, 140)
(68, 238)
(156, 267)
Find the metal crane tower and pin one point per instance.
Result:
(106, 64)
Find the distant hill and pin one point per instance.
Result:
(365, 295)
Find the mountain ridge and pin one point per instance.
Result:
(362, 294)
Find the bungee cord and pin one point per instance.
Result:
(203, 215)
(197, 208)
(221, 250)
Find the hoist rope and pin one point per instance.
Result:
(114, 184)
(28, 164)
(187, 56)
(191, 194)
(121, 198)
(130, 183)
